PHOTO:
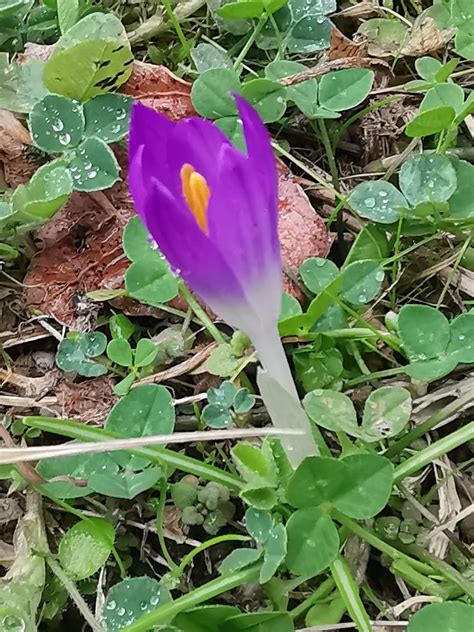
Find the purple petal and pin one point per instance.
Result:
(189, 251)
(196, 142)
(149, 133)
(237, 218)
(260, 152)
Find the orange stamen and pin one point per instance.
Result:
(196, 193)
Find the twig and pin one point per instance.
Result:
(331, 66)
(25, 469)
(180, 369)
(23, 455)
(74, 594)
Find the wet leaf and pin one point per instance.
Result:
(313, 542)
(317, 273)
(107, 117)
(427, 178)
(461, 344)
(207, 56)
(85, 548)
(378, 200)
(259, 524)
(274, 552)
(46, 192)
(303, 26)
(131, 598)
(216, 416)
(344, 89)
(93, 166)
(56, 123)
(424, 332)
(362, 281)
(387, 411)
(238, 559)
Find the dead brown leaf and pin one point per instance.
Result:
(425, 37)
(88, 402)
(342, 47)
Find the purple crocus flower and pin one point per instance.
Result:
(213, 211)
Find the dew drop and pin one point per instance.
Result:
(154, 600)
(65, 139)
(57, 125)
(111, 605)
(120, 611)
(92, 174)
(12, 623)
(370, 202)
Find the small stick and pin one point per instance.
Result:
(23, 455)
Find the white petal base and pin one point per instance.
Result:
(280, 396)
(286, 412)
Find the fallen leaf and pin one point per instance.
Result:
(425, 37)
(342, 47)
(159, 88)
(88, 402)
(302, 232)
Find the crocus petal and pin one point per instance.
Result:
(149, 134)
(235, 209)
(196, 142)
(262, 158)
(189, 251)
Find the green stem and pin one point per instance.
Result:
(434, 451)
(159, 524)
(250, 42)
(208, 591)
(321, 124)
(395, 264)
(400, 445)
(446, 570)
(200, 313)
(321, 592)
(375, 376)
(206, 545)
(377, 543)
(179, 31)
(349, 591)
(73, 592)
(159, 455)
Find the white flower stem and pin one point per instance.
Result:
(280, 396)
